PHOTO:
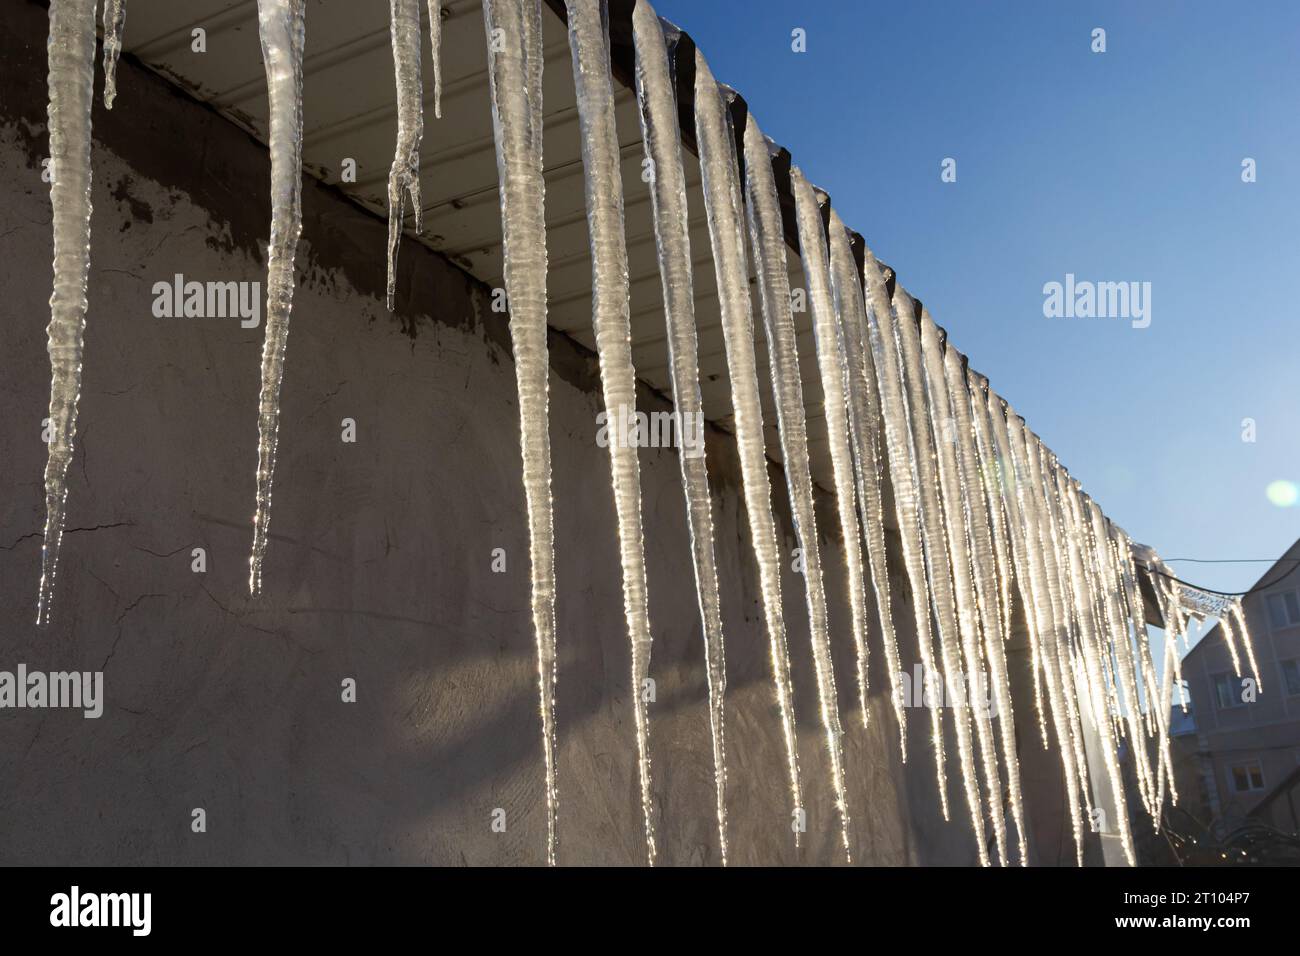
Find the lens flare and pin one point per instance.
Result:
(1283, 494)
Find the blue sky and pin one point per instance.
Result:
(1118, 166)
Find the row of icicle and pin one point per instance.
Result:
(984, 510)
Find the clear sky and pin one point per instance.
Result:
(1122, 166)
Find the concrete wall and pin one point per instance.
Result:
(379, 568)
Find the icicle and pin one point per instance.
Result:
(1008, 489)
(1225, 625)
(933, 534)
(662, 138)
(1235, 611)
(989, 476)
(1075, 685)
(282, 27)
(610, 318)
(946, 535)
(1058, 588)
(1181, 628)
(718, 170)
(985, 568)
(1174, 604)
(1109, 584)
(1025, 507)
(404, 176)
(435, 44)
(1090, 639)
(902, 456)
(864, 423)
(71, 82)
(768, 245)
(833, 366)
(1157, 709)
(114, 20)
(1171, 615)
(522, 188)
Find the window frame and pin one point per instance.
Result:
(1231, 678)
(1246, 766)
(1282, 603)
(1286, 680)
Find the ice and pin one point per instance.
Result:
(1230, 639)
(865, 425)
(986, 567)
(1243, 632)
(114, 21)
(718, 170)
(768, 245)
(1024, 506)
(901, 455)
(658, 107)
(435, 45)
(940, 569)
(832, 364)
(589, 43)
(404, 176)
(1121, 646)
(960, 646)
(282, 27)
(514, 73)
(1078, 545)
(71, 82)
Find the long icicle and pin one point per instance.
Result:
(435, 44)
(1121, 646)
(404, 176)
(610, 317)
(961, 648)
(990, 474)
(1024, 504)
(71, 84)
(282, 27)
(1078, 543)
(718, 170)
(1077, 611)
(865, 425)
(1059, 656)
(1009, 479)
(1171, 614)
(1243, 632)
(985, 568)
(832, 363)
(997, 473)
(951, 630)
(659, 129)
(1225, 626)
(768, 244)
(903, 477)
(516, 123)
(114, 21)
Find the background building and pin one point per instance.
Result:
(1238, 749)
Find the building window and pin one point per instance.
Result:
(1284, 609)
(1247, 777)
(1291, 675)
(1227, 692)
